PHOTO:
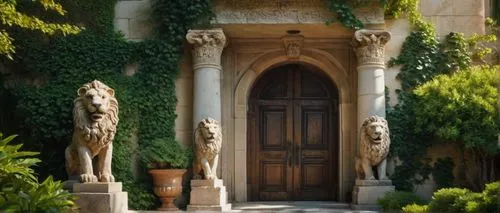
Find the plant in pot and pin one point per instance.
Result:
(167, 161)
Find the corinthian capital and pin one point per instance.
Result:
(207, 47)
(369, 46)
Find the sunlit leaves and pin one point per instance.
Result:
(11, 17)
(462, 107)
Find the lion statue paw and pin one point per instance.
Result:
(85, 178)
(106, 178)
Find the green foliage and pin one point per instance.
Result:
(48, 196)
(344, 13)
(146, 100)
(396, 200)
(19, 188)
(447, 200)
(164, 153)
(10, 16)
(443, 172)
(419, 59)
(415, 208)
(456, 200)
(490, 198)
(422, 58)
(172, 19)
(462, 107)
(455, 46)
(15, 166)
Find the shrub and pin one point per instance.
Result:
(456, 200)
(491, 198)
(397, 199)
(415, 208)
(165, 153)
(463, 108)
(446, 200)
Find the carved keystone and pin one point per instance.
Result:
(293, 45)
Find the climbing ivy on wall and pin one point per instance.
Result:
(147, 98)
(422, 58)
(343, 9)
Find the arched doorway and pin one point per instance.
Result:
(293, 135)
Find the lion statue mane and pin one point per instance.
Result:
(208, 142)
(374, 145)
(95, 116)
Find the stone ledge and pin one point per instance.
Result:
(102, 202)
(373, 183)
(110, 187)
(205, 208)
(368, 195)
(365, 207)
(208, 183)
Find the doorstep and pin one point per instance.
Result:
(286, 206)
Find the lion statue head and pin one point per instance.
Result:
(208, 136)
(96, 112)
(375, 129)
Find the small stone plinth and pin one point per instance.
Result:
(208, 195)
(100, 197)
(366, 193)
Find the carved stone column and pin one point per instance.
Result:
(369, 47)
(207, 51)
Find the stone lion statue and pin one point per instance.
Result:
(95, 116)
(208, 142)
(374, 145)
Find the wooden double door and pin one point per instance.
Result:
(292, 136)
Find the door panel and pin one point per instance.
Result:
(313, 170)
(274, 171)
(292, 144)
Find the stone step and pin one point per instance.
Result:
(295, 206)
(284, 206)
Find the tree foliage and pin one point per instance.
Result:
(10, 16)
(462, 107)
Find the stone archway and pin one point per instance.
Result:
(347, 113)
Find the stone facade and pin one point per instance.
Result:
(257, 39)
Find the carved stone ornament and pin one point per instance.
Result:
(208, 142)
(207, 47)
(369, 46)
(374, 142)
(293, 46)
(95, 116)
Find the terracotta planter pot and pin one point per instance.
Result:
(167, 186)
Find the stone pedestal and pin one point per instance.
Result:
(100, 197)
(366, 193)
(208, 195)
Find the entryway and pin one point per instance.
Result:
(293, 136)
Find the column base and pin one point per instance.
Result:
(208, 195)
(367, 192)
(100, 197)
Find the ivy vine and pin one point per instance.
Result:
(421, 59)
(62, 64)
